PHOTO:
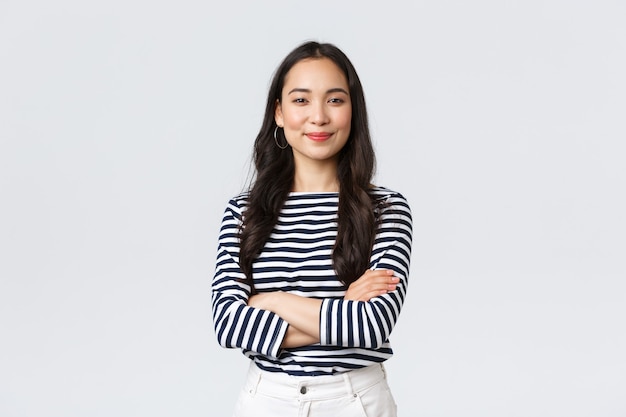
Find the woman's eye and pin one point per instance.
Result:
(336, 100)
(299, 100)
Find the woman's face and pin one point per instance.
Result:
(315, 110)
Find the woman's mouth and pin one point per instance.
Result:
(318, 136)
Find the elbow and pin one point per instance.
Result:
(220, 335)
(376, 340)
(356, 324)
(223, 328)
(378, 327)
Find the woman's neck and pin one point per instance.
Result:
(316, 178)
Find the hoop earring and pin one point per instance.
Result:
(276, 140)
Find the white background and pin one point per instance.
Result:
(125, 126)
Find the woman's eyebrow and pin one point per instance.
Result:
(299, 90)
(306, 90)
(338, 90)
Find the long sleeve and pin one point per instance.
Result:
(237, 325)
(368, 324)
(297, 259)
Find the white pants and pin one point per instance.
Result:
(358, 393)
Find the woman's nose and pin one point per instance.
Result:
(319, 115)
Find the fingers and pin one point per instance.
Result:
(382, 281)
(372, 284)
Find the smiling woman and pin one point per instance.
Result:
(313, 260)
(315, 112)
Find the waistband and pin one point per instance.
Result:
(281, 385)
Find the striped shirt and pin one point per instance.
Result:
(297, 259)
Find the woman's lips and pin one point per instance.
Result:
(318, 136)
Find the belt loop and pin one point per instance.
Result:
(254, 379)
(348, 382)
(382, 368)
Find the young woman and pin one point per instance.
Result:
(313, 260)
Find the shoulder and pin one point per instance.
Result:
(240, 200)
(237, 204)
(391, 205)
(386, 196)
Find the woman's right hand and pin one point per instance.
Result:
(372, 284)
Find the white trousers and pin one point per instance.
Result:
(359, 393)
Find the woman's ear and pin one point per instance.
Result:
(278, 114)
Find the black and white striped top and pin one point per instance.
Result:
(297, 259)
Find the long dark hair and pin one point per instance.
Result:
(275, 170)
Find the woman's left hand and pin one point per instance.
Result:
(372, 284)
